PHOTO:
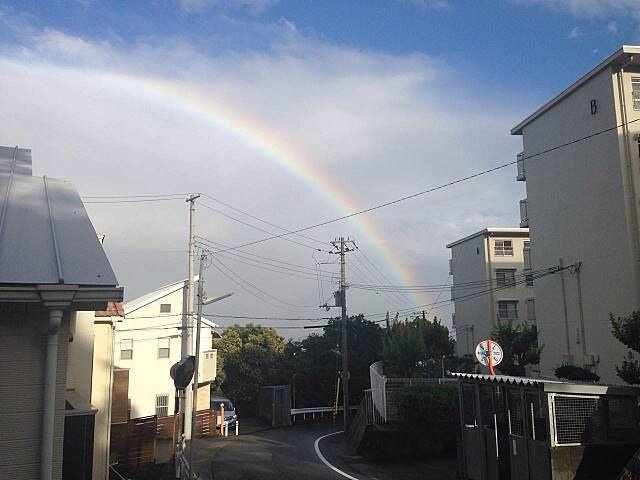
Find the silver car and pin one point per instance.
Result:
(229, 410)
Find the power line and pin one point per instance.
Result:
(436, 188)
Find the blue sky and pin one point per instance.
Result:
(382, 98)
(508, 45)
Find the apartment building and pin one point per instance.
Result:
(492, 281)
(580, 164)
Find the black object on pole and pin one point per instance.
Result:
(182, 371)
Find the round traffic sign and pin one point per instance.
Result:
(486, 348)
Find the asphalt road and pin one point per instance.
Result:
(289, 454)
(286, 453)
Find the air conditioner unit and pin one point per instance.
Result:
(208, 365)
(590, 359)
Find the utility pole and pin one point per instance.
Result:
(343, 249)
(187, 318)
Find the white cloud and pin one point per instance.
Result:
(255, 7)
(574, 33)
(612, 27)
(428, 4)
(378, 126)
(587, 8)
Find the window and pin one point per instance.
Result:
(504, 248)
(507, 310)
(635, 91)
(531, 310)
(164, 347)
(165, 308)
(162, 405)
(506, 277)
(126, 349)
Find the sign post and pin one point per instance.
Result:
(489, 354)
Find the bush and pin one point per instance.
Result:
(431, 406)
(572, 372)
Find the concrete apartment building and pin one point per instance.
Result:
(491, 283)
(147, 343)
(580, 163)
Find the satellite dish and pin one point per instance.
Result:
(489, 354)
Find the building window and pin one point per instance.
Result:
(126, 349)
(507, 310)
(165, 308)
(635, 91)
(506, 277)
(504, 248)
(531, 310)
(162, 405)
(164, 347)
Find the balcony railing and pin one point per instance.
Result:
(524, 214)
(521, 177)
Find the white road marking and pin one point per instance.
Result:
(325, 461)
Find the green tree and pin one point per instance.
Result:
(404, 350)
(520, 346)
(252, 356)
(627, 331)
(312, 364)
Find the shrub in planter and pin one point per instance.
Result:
(431, 406)
(572, 372)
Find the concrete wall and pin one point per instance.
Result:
(577, 212)
(22, 355)
(474, 260)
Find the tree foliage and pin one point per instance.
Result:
(313, 363)
(431, 406)
(573, 372)
(251, 356)
(520, 346)
(417, 347)
(627, 331)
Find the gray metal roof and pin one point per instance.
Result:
(505, 232)
(46, 236)
(557, 386)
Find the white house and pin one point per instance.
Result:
(492, 282)
(147, 343)
(580, 168)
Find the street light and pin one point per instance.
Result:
(202, 300)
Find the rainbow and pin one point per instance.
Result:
(189, 101)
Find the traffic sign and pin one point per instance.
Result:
(489, 354)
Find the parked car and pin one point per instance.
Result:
(229, 410)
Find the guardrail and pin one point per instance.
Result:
(316, 410)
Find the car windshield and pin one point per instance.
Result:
(226, 403)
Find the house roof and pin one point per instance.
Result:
(625, 54)
(549, 385)
(114, 309)
(144, 300)
(46, 236)
(494, 232)
(137, 303)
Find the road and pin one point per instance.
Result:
(290, 454)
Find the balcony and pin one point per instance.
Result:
(524, 214)
(520, 163)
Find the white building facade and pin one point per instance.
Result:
(492, 282)
(148, 343)
(580, 164)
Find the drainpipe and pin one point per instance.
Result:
(49, 400)
(490, 276)
(564, 307)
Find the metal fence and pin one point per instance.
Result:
(384, 392)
